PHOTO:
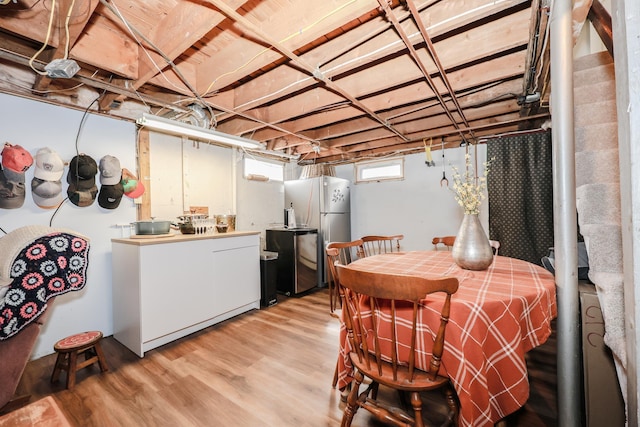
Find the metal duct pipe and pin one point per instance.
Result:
(564, 214)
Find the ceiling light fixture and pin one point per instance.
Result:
(174, 127)
(276, 154)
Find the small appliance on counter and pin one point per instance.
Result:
(290, 217)
(151, 227)
(297, 263)
(229, 220)
(195, 224)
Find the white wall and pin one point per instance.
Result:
(35, 125)
(260, 205)
(418, 206)
(185, 173)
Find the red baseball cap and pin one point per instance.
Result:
(16, 158)
(137, 191)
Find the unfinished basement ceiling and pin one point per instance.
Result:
(328, 80)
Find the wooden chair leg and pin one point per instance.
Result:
(452, 403)
(101, 359)
(416, 403)
(73, 367)
(352, 400)
(60, 360)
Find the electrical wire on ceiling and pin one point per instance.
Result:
(144, 102)
(335, 68)
(46, 40)
(44, 92)
(48, 35)
(135, 33)
(281, 90)
(461, 94)
(272, 94)
(66, 29)
(289, 37)
(399, 42)
(181, 76)
(214, 116)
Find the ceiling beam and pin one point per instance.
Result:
(301, 62)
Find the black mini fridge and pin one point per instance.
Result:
(297, 262)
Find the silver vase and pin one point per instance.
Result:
(471, 249)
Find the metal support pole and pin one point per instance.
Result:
(564, 214)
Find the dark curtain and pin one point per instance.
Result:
(520, 187)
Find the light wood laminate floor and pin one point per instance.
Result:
(269, 367)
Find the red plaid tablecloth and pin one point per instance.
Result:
(497, 315)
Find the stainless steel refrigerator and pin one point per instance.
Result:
(323, 203)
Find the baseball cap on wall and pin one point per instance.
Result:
(48, 165)
(110, 196)
(46, 194)
(137, 191)
(11, 191)
(132, 186)
(81, 197)
(82, 173)
(15, 158)
(13, 176)
(128, 184)
(110, 170)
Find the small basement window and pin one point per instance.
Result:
(380, 170)
(260, 170)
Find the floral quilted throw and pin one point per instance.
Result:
(51, 265)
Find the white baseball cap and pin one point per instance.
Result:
(49, 165)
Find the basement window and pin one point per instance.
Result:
(260, 170)
(380, 170)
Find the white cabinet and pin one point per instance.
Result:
(166, 288)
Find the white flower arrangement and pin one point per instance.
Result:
(470, 190)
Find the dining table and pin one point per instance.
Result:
(497, 316)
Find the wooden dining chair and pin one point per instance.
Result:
(346, 253)
(495, 245)
(383, 347)
(447, 241)
(375, 245)
(339, 253)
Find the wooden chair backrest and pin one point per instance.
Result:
(448, 241)
(348, 251)
(341, 253)
(333, 257)
(374, 245)
(365, 294)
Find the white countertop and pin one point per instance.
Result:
(142, 240)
